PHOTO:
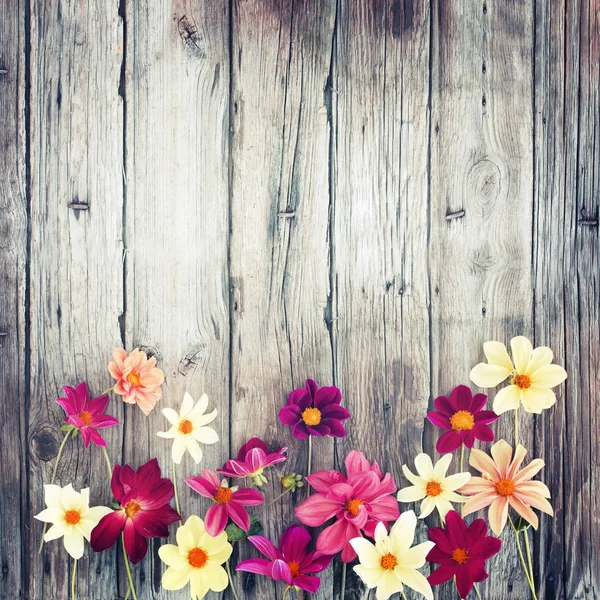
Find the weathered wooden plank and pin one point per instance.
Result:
(76, 259)
(567, 181)
(481, 163)
(13, 269)
(279, 233)
(381, 321)
(176, 212)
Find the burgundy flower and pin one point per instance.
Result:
(85, 414)
(144, 510)
(228, 502)
(462, 417)
(461, 551)
(291, 562)
(315, 411)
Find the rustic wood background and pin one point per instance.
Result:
(258, 191)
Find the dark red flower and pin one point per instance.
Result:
(462, 417)
(461, 551)
(315, 411)
(144, 510)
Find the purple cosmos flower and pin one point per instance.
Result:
(315, 411)
(291, 562)
(228, 502)
(252, 459)
(462, 417)
(85, 414)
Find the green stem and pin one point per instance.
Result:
(477, 591)
(524, 565)
(108, 464)
(127, 594)
(309, 454)
(110, 389)
(127, 568)
(277, 498)
(73, 579)
(343, 592)
(176, 495)
(60, 451)
(526, 536)
(516, 427)
(285, 592)
(403, 595)
(231, 580)
(462, 457)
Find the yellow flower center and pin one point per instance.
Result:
(294, 568)
(388, 562)
(186, 426)
(505, 487)
(352, 506)
(223, 495)
(197, 557)
(86, 417)
(134, 379)
(460, 556)
(463, 420)
(523, 382)
(132, 508)
(72, 517)
(434, 489)
(311, 416)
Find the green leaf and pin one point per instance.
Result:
(522, 524)
(255, 525)
(66, 427)
(75, 432)
(235, 533)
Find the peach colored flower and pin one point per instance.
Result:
(138, 378)
(504, 485)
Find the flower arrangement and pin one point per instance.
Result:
(359, 505)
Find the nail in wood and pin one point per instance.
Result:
(78, 206)
(455, 215)
(590, 222)
(287, 215)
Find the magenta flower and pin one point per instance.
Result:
(315, 411)
(461, 551)
(228, 502)
(462, 417)
(291, 562)
(358, 502)
(252, 459)
(144, 510)
(85, 414)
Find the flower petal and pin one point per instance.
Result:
(216, 519)
(264, 545)
(536, 465)
(521, 350)
(508, 398)
(477, 502)
(74, 544)
(412, 493)
(106, 533)
(449, 442)
(488, 376)
(453, 482)
(424, 466)
(175, 579)
(502, 454)
(497, 355)
(498, 514)
(414, 580)
(535, 400)
(367, 553)
(294, 543)
(483, 463)
(205, 435)
(135, 543)
(443, 573)
(317, 509)
(441, 467)
(548, 376)
(402, 532)
(260, 566)
(540, 357)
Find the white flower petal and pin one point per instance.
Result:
(424, 466)
(411, 494)
(55, 532)
(443, 506)
(171, 416)
(414, 479)
(186, 406)
(427, 507)
(370, 577)
(414, 580)
(85, 499)
(178, 451)
(488, 376)
(52, 496)
(388, 585)
(382, 542)
(521, 350)
(507, 398)
(51, 515)
(453, 482)
(201, 420)
(74, 544)
(415, 557)
(170, 434)
(200, 407)
(402, 532)
(367, 553)
(441, 467)
(548, 376)
(206, 435)
(497, 355)
(198, 584)
(185, 538)
(193, 448)
(71, 499)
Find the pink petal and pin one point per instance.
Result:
(202, 486)
(317, 509)
(94, 436)
(384, 508)
(212, 477)
(309, 584)
(248, 497)
(441, 537)
(439, 420)
(108, 530)
(264, 545)
(502, 454)
(234, 468)
(281, 572)
(249, 445)
(327, 395)
(464, 581)
(387, 485)
(484, 464)
(98, 405)
(483, 432)
(356, 463)
(477, 403)
(461, 397)
(315, 562)
(443, 573)
(529, 471)
(321, 481)
(86, 435)
(449, 442)
(486, 416)
(477, 502)
(486, 548)
(159, 495)
(116, 486)
(294, 543)
(289, 415)
(216, 519)
(260, 566)
(335, 537)
(155, 523)
(102, 421)
(443, 406)
(135, 544)
(67, 406)
(238, 514)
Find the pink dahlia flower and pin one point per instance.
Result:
(358, 502)
(291, 562)
(228, 502)
(144, 510)
(85, 414)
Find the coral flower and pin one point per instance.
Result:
(252, 459)
(71, 516)
(138, 378)
(85, 414)
(390, 563)
(189, 427)
(531, 376)
(433, 485)
(196, 559)
(144, 510)
(291, 562)
(462, 552)
(503, 485)
(358, 502)
(228, 502)
(315, 411)
(462, 417)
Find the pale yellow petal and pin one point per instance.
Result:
(402, 532)
(185, 539)
(427, 507)
(497, 355)
(198, 584)
(443, 506)
(382, 541)
(414, 479)
(51, 515)
(488, 376)
(453, 482)
(172, 557)
(370, 577)
(195, 525)
(216, 576)
(424, 466)
(535, 400)
(205, 435)
(202, 420)
(193, 448)
(414, 580)
(179, 447)
(52, 496)
(176, 579)
(388, 585)
(200, 407)
(521, 350)
(186, 406)
(508, 398)
(220, 556)
(415, 557)
(170, 434)
(540, 357)
(55, 532)
(412, 493)
(74, 544)
(71, 499)
(441, 467)
(367, 553)
(548, 376)
(171, 416)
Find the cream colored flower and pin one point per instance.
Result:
(432, 484)
(531, 376)
(71, 516)
(391, 563)
(196, 559)
(189, 427)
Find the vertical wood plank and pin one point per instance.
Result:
(13, 269)
(279, 234)
(76, 260)
(176, 211)
(481, 163)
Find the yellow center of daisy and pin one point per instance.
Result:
(505, 487)
(223, 495)
(132, 508)
(463, 420)
(134, 379)
(186, 426)
(86, 417)
(311, 416)
(72, 517)
(197, 557)
(294, 568)
(433, 489)
(388, 561)
(460, 556)
(353, 505)
(523, 382)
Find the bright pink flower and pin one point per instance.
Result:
(462, 417)
(138, 378)
(229, 502)
(252, 459)
(291, 562)
(358, 502)
(85, 414)
(461, 551)
(315, 411)
(144, 510)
